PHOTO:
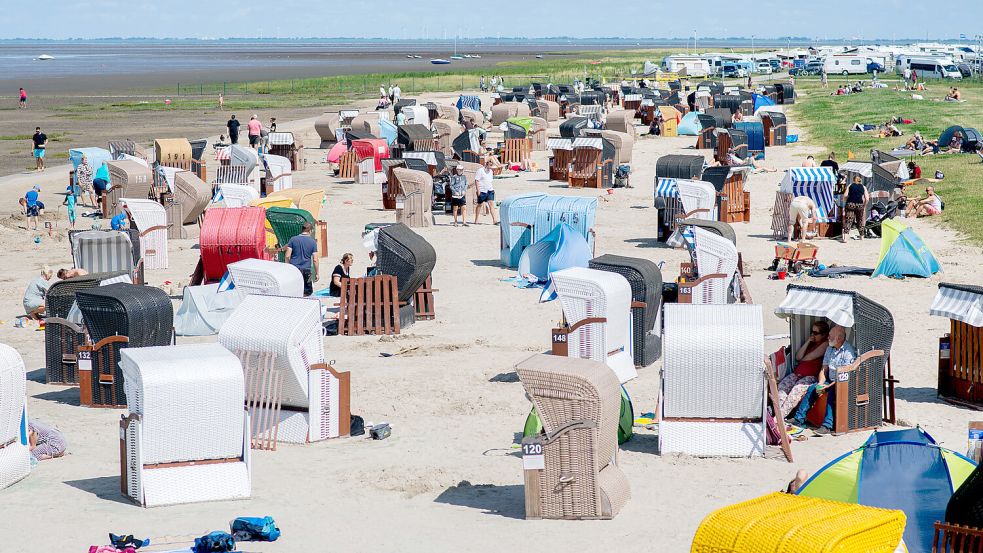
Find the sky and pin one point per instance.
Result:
(821, 19)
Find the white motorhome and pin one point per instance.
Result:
(695, 66)
(845, 64)
(934, 68)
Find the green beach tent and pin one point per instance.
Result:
(900, 469)
(903, 253)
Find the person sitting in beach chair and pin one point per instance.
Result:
(808, 362)
(839, 353)
(733, 160)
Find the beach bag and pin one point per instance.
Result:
(939, 175)
(216, 542)
(255, 529)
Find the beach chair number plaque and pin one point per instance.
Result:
(532, 454)
(85, 360)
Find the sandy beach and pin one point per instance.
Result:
(448, 479)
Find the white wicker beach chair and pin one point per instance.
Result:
(589, 293)
(716, 265)
(268, 278)
(186, 438)
(713, 381)
(151, 220)
(699, 199)
(286, 333)
(15, 457)
(278, 173)
(238, 195)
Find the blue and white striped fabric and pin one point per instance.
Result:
(226, 283)
(816, 183)
(469, 102)
(666, 188)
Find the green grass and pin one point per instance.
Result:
(828, 119)
(52, 137)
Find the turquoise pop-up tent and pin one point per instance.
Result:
(690, 124)
(899, 469)
(561, 249)
(903, 253)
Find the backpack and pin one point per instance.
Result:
(255, 529)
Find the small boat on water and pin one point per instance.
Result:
(440, 61)
(417, 56)
(45, 57)
(457, 57)
(539, 56)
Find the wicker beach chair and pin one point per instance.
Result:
(713, 381)
(127, 179)
(865, 399)
(285, 335)
(518, 216)
(286, 223)
(410, 258)
(230, 234)
(268, 278)
(577, 211)
(238, 195)
(562, 155)
(445, 131)
(592, 163)
(193, 194)
(150, 219)
(960, 357)
(279, 175)
(715, 270)
(504, 111)
(415, 208)
(597, 312)
(476, 118)
(62, 337)
(645, 280)
(15, 457)
(118, 316)
(579, 402)
(786, 522)
(622, 121)
(102, 251)
(699, 199)
(186, 437)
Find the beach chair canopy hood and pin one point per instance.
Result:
(816, 183)
(645, 280)
(144, 314)
(960, 302)
(15, 456)
(407, 256)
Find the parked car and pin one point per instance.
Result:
(764, 68)
(776, 65)
(874, 66)
(732, 71)
(813, 67)
(965, 69)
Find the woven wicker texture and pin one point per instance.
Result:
(576, 211)
(134, 180)
(679, 167)
(520, 208)
(587, 293)
(873, 329)
(100, 251)
(289, 328)
(238, 195)
(193, 194)
(286, 223)
(61, 295)
(788, 523)
(966, 505)
(623, 144)
(268, 278)
(645, 280)
(718, 227)
(446, 131)
(231, 234)
(61, 341)
(714, 255)
(278, 173)
(713, 361)
(573, 127)
(565, 390)
(417, 187)
(150, 219)
(196, 484)
(15, 462)
(308, 199)
(697, 196)
(190, 399)
(407, 256)
(144, 314)
(712, 438)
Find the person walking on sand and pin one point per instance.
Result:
(22, 103)
(233, 126)
(302, 253)
(70, 206)
(486, 191)
(83, 177)
(221, 101)
(459, 188)
(255, 129)
(397, 92)
(40, 143)
(857, 198)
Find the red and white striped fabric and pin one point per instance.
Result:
(223, 153)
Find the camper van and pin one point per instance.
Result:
(845, 65)
(932, 68)
(694, 66)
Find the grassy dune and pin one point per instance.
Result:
(828, 120)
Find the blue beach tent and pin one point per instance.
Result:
(690, 124)
(561, 249)
(903, 253)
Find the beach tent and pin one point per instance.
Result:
(816, 183)
(971, 137)
(898, 469)
(903, 253)
(336, 151)
(561, 249)
(761, 101)
(690, 124)
(204, 310)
